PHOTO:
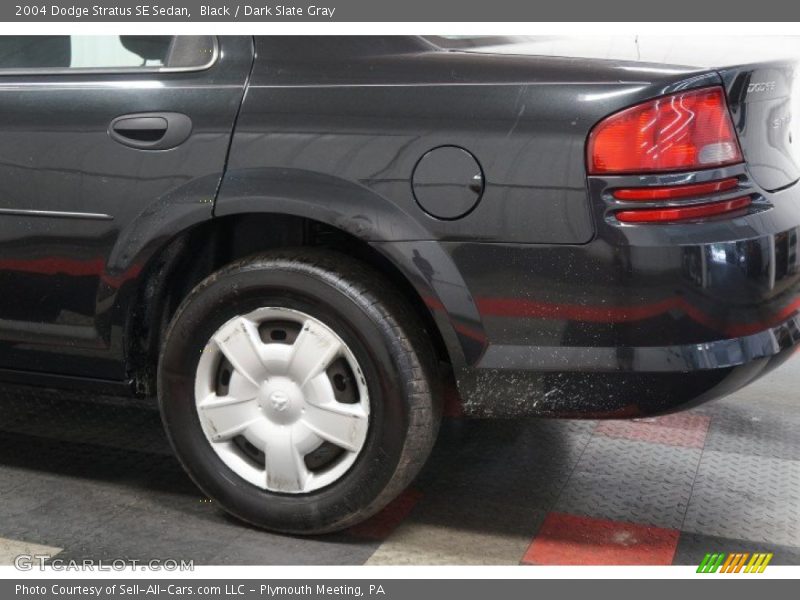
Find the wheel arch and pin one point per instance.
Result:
(196, 252)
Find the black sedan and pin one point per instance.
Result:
(291, 242)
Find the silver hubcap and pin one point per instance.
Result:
(282, 400)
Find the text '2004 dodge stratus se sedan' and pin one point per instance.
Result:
(291, 241)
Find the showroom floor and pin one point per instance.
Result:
(81, 480)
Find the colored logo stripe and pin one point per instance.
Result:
(711, 563)
(758, 563)
(733, 563)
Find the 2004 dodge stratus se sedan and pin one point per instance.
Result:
(292, 241)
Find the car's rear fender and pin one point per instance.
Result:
(369, 217)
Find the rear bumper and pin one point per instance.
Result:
(705, 356)
(642, 319)
(620, 382)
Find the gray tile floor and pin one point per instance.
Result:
(97, 480)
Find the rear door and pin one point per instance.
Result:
(98, 133)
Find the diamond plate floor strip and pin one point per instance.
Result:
(746, 497)
(682, 429)
(633, 481)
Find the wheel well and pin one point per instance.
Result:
(193, 255)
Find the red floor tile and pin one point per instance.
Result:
(380, 526)
(683, 429)
(573, 540)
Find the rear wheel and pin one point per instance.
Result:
(297, 389)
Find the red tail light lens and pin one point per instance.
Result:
(675, 192)
(687, 130)
(683, 213)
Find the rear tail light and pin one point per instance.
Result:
(675, 192)
(683, 131)
(683, 213)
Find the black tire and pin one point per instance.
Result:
(383, 332)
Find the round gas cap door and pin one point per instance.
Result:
(448, 182)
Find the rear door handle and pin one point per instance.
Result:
(151, 131)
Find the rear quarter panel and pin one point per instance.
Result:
(365, 110)
(331, 129)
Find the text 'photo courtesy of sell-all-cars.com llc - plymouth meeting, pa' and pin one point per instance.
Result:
(291, 242)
